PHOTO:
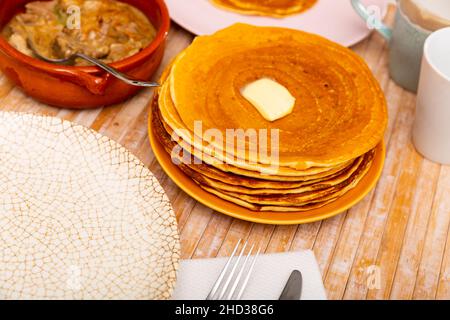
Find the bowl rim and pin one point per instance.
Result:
(161, 35)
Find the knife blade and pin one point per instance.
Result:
(293, 288)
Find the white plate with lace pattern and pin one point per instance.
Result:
(81, 217)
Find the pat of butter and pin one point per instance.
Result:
(270, 98)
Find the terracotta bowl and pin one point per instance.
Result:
(82, 87)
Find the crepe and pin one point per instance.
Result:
(299, 199)
(223, 160)
(305, 196)
(326, 145)
(320, 184)
(262, 208)
(274, 8)
(294, 203)
(224, 172)
(340, 110)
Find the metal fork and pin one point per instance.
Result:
(113, 71)
(230, 279)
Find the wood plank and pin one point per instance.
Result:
(326, 241)
(345, 251)
(408, 265)
(305, 236)
(239, 230)
(5, 87)
(194, 229)
(213, 237)
(429, 273)
(443, 292)
(395, 228)
(281, 239)
(261, 235)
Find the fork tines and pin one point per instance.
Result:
(235, 275)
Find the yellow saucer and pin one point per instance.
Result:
(332, 209)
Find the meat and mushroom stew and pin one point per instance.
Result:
(108, 30)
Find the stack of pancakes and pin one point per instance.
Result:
(274, 8)
(324, 147)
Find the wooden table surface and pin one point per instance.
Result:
(395, 244)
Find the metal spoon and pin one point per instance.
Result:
(71, 61)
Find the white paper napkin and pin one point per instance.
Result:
(272, 271)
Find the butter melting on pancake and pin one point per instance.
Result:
(270, 98)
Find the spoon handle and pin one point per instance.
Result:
(116, 73)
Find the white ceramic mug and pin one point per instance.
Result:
(431, 133)
(429, 14)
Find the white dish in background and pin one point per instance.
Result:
(332, 19)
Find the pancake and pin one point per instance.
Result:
(340, 110)
(231, 182)
(294, 203)
(317, 185)
(246, 179)
(313, 200)
(222, 160)
(326, 144)
(273, 8)
(260, 208)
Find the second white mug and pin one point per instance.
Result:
(431, 133)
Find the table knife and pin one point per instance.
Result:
(293, 288)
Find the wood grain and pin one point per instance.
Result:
(401, 228)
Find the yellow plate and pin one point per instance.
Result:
(345, 202)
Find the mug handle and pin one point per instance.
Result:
(381, 28)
